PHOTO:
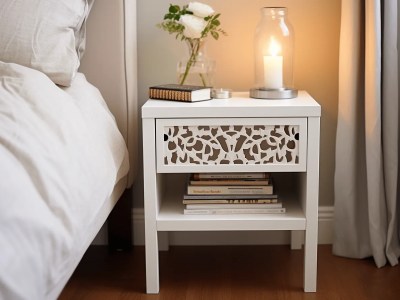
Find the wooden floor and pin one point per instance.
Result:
(229, 272)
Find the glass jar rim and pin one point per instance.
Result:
(274, 10)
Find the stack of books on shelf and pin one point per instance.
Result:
(231, 193)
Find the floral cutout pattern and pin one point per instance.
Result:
(231, 144)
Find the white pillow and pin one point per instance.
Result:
(46, 35)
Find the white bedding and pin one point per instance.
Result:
(61, 155)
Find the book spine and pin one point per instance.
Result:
(167, 94)
(187, 96)
(229, 190)
(244, 181)
(199, 176)
(234, 206)
(223, 211)
(229, 201)
(230, 197)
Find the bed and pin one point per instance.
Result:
(68, 136)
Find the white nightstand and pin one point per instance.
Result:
(168, 129)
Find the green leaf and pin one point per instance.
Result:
(216, 16)
(173, 8)
(216, 22)
(215, 35)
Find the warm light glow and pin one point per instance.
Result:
(274, 48)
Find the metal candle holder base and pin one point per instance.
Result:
(284, 93)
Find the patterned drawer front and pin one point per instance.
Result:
(231, 144)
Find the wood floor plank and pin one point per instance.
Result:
(229, 273)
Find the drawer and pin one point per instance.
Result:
(231, 145)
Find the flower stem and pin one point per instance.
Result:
(194, 46)
(203, 80)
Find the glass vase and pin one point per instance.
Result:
(196, 68)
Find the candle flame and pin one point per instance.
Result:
(274, 47)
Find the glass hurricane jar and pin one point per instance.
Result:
(273, 55)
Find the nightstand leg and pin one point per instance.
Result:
(152, 278)
(296, 239)
(151, 206)
(311, 207)
(310, 261)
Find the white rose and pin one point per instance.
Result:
(200, 10)
(193, 26)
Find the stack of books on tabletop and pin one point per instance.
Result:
(231, 193)
(179, 92)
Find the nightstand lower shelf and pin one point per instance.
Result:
(171, 218)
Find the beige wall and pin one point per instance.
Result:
(316, 24)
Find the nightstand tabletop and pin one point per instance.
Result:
(239, 106)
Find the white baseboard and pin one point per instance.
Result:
(325, 233)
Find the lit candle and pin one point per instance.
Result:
(273, 66)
